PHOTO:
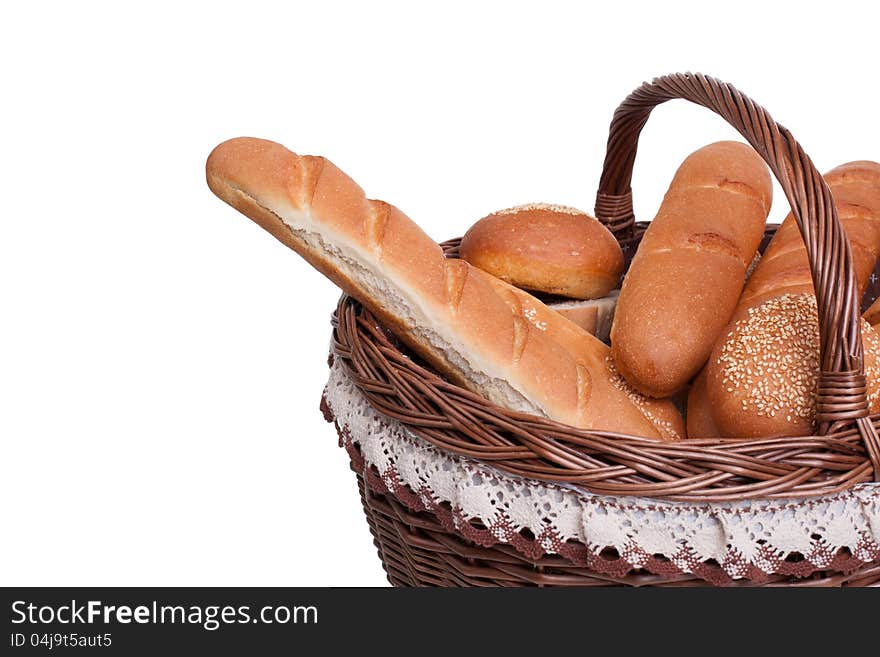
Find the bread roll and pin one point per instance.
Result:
(592, 315)
(688, 272)
(546, 248)
(450, 313)
(763, 378)
(762, 375)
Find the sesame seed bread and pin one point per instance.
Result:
(762, 380)
(496, 341)
(592, 315)
(688, 272)
(546, 248)
(762, 375)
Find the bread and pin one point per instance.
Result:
(700, 422)
(762, 376)
(688, 272)
(592, 315)
(546, 248)
(856, 190)
(448, 312)
(611, 407)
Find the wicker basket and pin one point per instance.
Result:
(423, 544)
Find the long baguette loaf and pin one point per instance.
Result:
(761, 377)
(784, 268)
(606, 408)
(688, 272)
(450, 313)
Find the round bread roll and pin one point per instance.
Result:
(546, 248)
(762, 379)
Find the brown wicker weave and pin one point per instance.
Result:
(418, 550)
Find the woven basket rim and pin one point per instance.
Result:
(609, 463)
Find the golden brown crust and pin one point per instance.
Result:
(700, 422)
(604, 407)
(546, 248)
(774, 329)
(688, 272)
(855, 187)
(762, 379)
(447, 311)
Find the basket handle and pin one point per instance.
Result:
(842, 388)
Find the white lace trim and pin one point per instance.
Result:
(737, 535)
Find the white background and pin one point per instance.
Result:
(162, 358)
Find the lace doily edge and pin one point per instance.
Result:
(633, 557)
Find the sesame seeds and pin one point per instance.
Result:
(871, 343)
(664, 427)
(549, 207)
(771, 359)
(532, 315)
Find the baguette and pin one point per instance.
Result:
(855, 187)
(688, 272)
(607, 407)
(450, 313)
(762, 376)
